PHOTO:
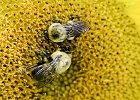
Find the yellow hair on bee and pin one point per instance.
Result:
(57, 32)
(65, 61)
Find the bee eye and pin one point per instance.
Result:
(55, 34)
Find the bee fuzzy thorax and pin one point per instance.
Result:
(57, 33)
(64, 63)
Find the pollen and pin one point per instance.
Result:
(105, 63)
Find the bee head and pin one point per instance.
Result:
(57, 32)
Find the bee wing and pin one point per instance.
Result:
(76, 28)
(39, 73)
(30, 67)
(40, 84)
(47, 70)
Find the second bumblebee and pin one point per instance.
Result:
(45, 72)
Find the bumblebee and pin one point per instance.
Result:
(59, 32)
(45, 72)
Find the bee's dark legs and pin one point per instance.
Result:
(73, 44)
(46, 33)
(45, 55)
(60, 44)
(64, 49)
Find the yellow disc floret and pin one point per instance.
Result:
(105, 63)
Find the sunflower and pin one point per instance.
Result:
(106, 61)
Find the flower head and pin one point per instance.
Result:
(106, 61)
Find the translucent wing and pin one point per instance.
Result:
(76, 28)
(46, 71)
(50, 78)
(30, 67)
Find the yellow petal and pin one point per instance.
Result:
(133, 10)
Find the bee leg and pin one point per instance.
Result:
(60, 44)
(46, 33)
(45, 55)
(74, 44)
(64, 49)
